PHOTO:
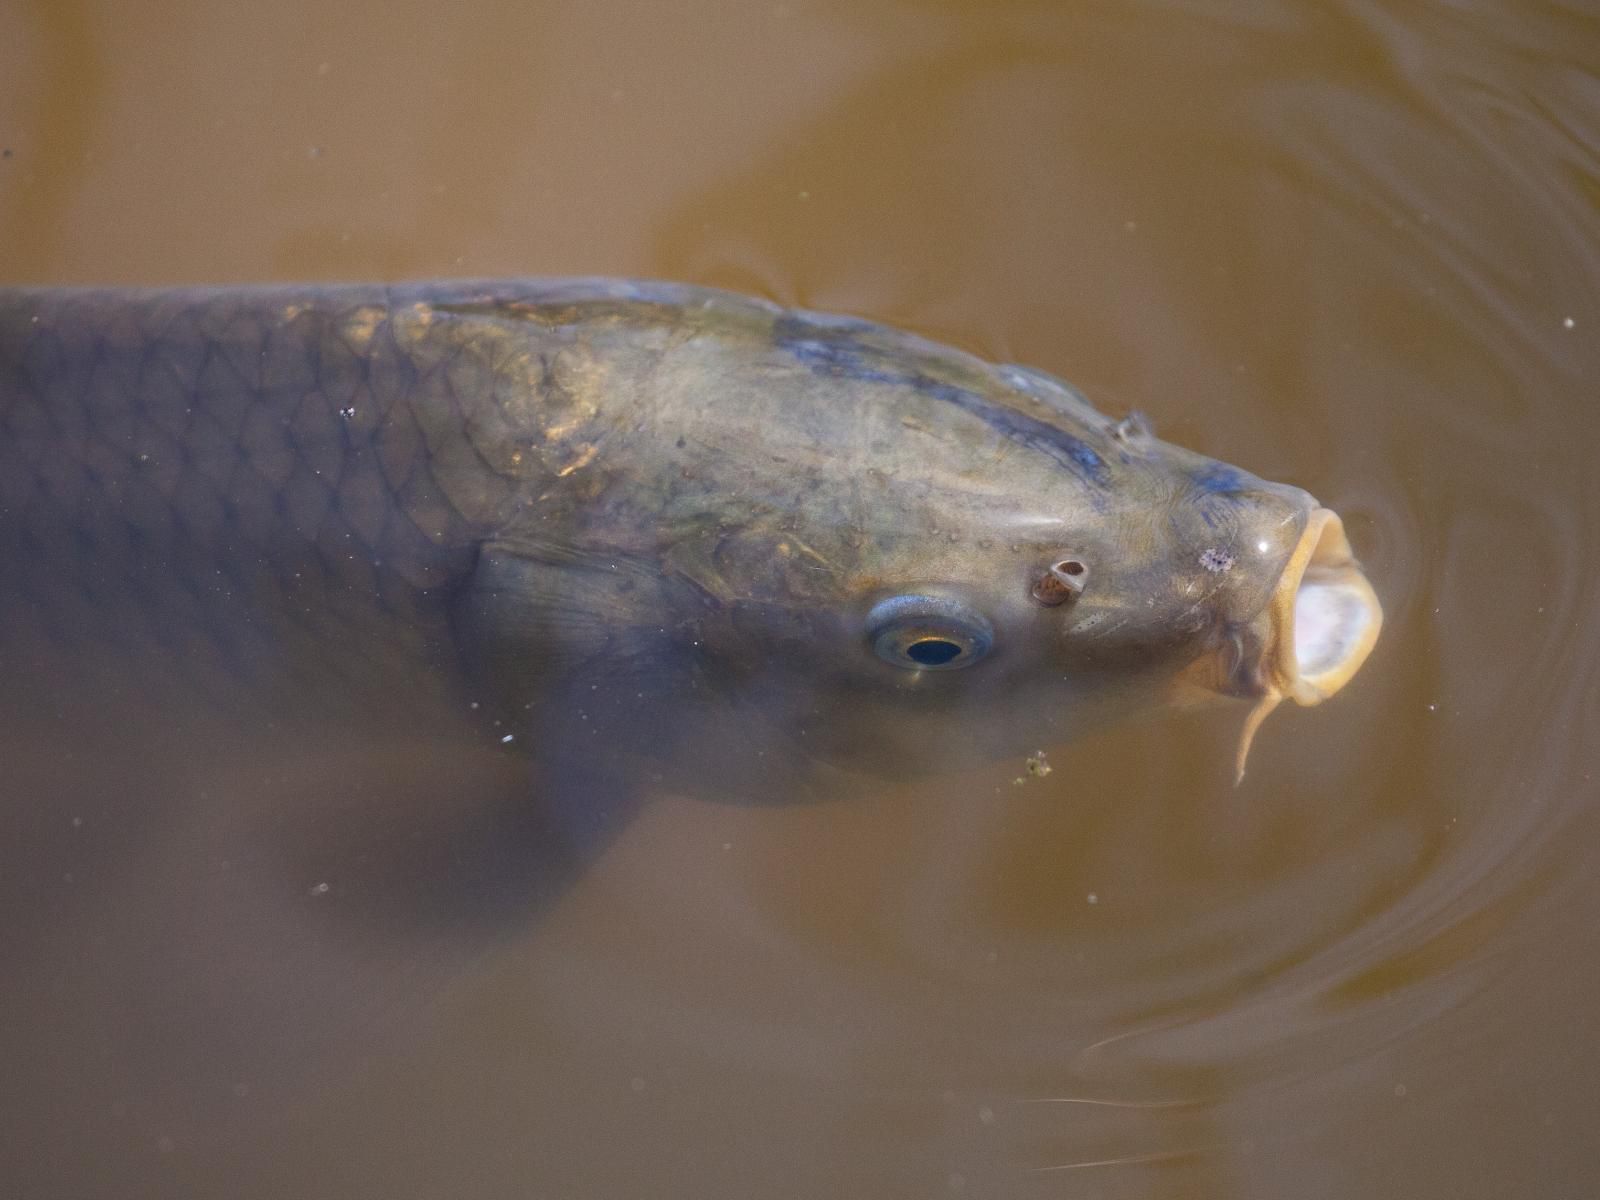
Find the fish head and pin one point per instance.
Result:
(900, 558)
(997, 616)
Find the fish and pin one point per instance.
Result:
(590, 525)
(543, 488)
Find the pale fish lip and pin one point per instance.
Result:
(1324, 619)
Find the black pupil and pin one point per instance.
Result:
(932, 652)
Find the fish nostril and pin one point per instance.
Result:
(1063, 581)
(933, 652)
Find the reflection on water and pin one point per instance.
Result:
(1348, 246)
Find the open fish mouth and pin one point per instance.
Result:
(1325, 614)
(1323, 620)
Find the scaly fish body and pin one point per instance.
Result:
(607, 510)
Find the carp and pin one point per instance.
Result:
(342, 627)
(606, 513)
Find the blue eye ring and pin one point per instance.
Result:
(928, 633)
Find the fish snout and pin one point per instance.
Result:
(1319, 625)
(1325, 616)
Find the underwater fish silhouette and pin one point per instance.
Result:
(591, 518)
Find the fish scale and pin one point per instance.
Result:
(171, 472)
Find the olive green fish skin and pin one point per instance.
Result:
(224, 476)
(539, 481)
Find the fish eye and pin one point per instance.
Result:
(928, 633)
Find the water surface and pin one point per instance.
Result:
(1351, 246)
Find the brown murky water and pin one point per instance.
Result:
(1349, 245)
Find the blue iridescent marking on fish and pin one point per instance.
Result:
(1220, 479)
(838, 357)
(832, 351)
